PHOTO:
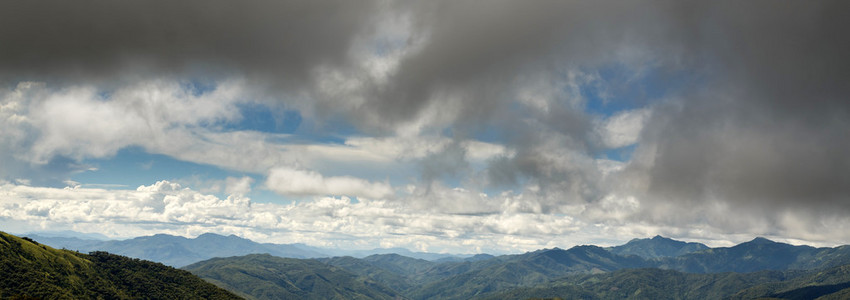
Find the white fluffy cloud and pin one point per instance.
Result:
(289, 181)
(174, 119)
(412, 221)
(326, 221)
(83, 122)
(622, 129)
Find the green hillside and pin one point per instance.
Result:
(828, 283)
(525, 270)
(833, 283)
(400, 282)
(32, 270)
(262, 276)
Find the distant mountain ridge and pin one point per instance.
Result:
(656, 247)
(473, 279)
(180, 251)
(756, 255)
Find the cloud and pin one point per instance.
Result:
(288, 181)
(80, 122)
(762, 132)
(59, 128)
(238, 186)
(623, 129)
(99, 41)
(170, 208)
(166, 207)
(738, 111)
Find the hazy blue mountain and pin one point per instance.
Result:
(70, 243)
(476, 257)
(399, 251)
(656, 247)
(180, 251)
(262, 276)
(67, 234)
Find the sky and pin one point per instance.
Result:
(439, 126)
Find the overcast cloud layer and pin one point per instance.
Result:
(497, 126)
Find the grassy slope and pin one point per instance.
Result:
(33, 270)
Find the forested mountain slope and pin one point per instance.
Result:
(262, 276)
(33, 270)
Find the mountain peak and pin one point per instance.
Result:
(218, 237)
(761, 240)
(209, 235)
(657, 246)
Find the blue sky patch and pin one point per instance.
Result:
(260, 117)
(133, 167)
(619, 88)
(622, 154)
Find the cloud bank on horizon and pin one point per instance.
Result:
(433, 125)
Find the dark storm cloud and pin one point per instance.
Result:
(480, 50)
(770, 125)
(766, 124)
(766, 121)
(476, 57)
(90, 40)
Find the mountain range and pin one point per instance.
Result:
(756, 269)
(179, 251)
(652, 268)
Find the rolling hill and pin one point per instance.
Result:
(32, 270)
(262, 276)
(526, 269)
